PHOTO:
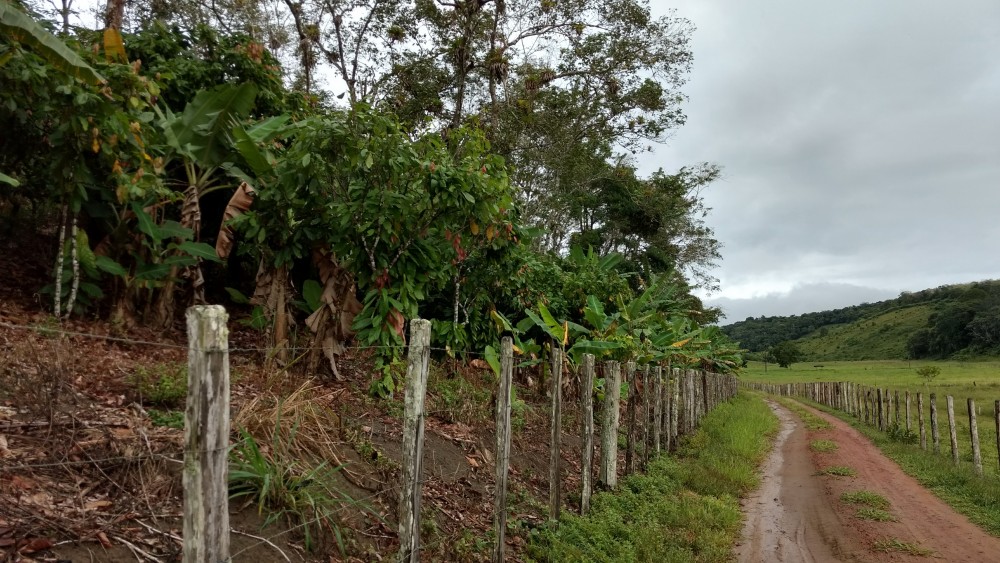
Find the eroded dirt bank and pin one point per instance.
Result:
(797, 514)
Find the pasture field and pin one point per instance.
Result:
(962, 380)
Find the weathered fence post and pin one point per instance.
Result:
(675, 408)
(881, 408)
(503, 448)
(920, 421)
(657, 408)
(977, 456)
(908, 426)
(896, 404)
(608, 475)
(996, 419)
(935, 435)
(630, 407)
(953, 433)
(206, 437)
(587, 411)
(413, 439)
(555, 438)
(647, 436)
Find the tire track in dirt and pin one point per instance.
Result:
(797, 515)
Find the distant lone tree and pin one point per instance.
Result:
(928, 373)
(785, 354)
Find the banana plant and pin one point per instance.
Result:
(20, 27)
(200, 139)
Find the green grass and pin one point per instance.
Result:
(962, 380)
(889, 545)
(867, 498)
(684, 508)
(839, 471)
(875, 514)
(811, 421)
(823, 446)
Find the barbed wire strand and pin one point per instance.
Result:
(122, 340)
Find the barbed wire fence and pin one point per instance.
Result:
(681, 399)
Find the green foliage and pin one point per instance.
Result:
(454, 398)
(875, 514)
(19, 27)
(160, 384)
(890, 545)
(823, 446)
(305, 494)
(928, 373)
(866, 498)
(785, 354)
(167, 418)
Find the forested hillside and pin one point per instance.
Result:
(943, 322)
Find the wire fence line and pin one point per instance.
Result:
(43, 330)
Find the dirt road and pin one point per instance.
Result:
(797, 515)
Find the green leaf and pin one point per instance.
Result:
(146, 224)
(19, 26)
(199, 250)
(237, 296)
(493, 359)
(312, 292)
(173, 229)
(201, 132)
(110, 266)
(5, 179)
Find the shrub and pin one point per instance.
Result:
(163, 385)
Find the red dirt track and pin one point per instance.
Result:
(797, 515)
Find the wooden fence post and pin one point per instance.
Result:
(996, 419)
(657, 408)
(503, 448)
(630, 408)
(881, 409)
(413, 439)
(952, 431)
(908, 426)
(608, 475)
(977, 456)
(647, 436)
(920, 421)
(935, 435)
(587, 410)
(206, 437)
(895, 400)
(555, 437)
(675, 393)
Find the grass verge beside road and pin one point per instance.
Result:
(684, 508)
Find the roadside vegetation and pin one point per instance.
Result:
(684, 508)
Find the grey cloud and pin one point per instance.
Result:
(858, 140)
(806, 298)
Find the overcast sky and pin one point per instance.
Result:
(860, 142)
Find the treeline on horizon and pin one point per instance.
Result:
(964, 320)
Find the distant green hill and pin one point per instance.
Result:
(882, 336)
(944, 322)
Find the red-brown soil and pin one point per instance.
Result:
(797, 514)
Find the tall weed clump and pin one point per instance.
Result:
(684, 508)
